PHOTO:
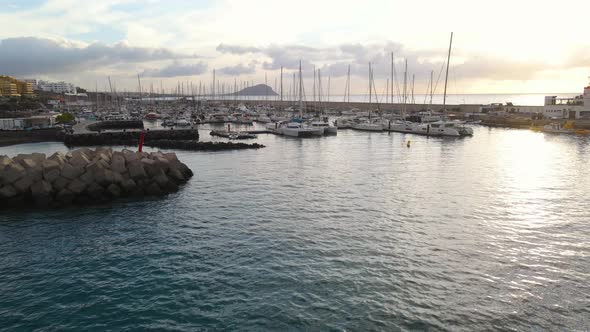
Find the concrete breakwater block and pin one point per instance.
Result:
(87, 175)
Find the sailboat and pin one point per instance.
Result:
(369, 124)
(295, 128)
(445, 127)
(442, 127)
(403, 126)
(323, 121)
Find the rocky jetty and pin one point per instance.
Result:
(86, 176)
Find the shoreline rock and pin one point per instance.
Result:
(86, 175)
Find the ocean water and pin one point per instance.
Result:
(353, 232)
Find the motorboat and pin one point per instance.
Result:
(169, 123)
(217, 118)
(183, 123)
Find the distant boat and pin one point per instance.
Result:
(152, 116)
(296, 128)
(328, 129)
(442, 127)
(183, 123)
(368, 124)
(263, 119)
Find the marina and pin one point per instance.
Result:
(263, 166)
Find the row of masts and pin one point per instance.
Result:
(218, 90)
(223, 90)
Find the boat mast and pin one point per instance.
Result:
(431, 86)
(314, 87)
(139, 82)
(96, 91)
(370, 90)
(391, 77)
(405, 89)
(300, 92)
(370, 86)
(386, 91)
(319, 89)
(329, 77)
(281, 86)
(447, 74)
(347, 90)
(413, 77)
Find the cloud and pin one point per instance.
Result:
(235, 49)
(335, 61)
(39, 56)
(238, 70)
(580, 57)
(177, 69)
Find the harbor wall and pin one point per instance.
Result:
(362, 106)
(11, 137)
(129, 137)
(124, 124)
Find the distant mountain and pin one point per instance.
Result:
(257, 90)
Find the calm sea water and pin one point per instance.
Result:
(353, 232)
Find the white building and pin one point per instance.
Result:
(57, 87)
(568, 108)
(12, 124)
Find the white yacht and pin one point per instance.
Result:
(296, 129)
(367, 126)
(431, 124)
(343, 123)
(328, 129)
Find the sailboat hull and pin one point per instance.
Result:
(367, 127)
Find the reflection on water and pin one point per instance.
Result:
(354, 232)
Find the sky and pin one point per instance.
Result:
(516, 46)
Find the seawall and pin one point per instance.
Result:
(129, 137)
(11, 137)
(361, 106)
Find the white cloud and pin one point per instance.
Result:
(496, 45)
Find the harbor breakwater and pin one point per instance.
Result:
(86, 176)
(182, 139)
(129, 137)
(10, 137)
(119, 124)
